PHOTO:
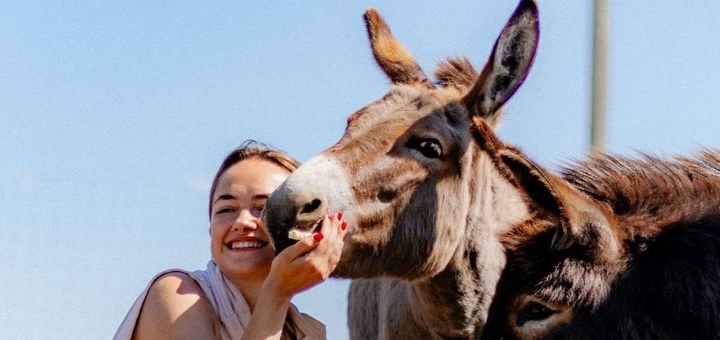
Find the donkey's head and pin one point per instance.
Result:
(561, 261)
(403, 170)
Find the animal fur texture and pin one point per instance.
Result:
(425, 204)
(645, 266)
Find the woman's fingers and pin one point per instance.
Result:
(328, 253)
(337, 226)
(311, 260)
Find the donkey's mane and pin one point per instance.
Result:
(456, 72)
(648, 193)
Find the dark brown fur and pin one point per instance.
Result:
(649, 193)
(662, 281)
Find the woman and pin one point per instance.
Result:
(245, 292)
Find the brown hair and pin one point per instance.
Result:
(248, 149)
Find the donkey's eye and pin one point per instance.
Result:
(429, 147)
(533, 311)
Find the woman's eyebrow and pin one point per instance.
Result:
(261, 197)
(225, 197)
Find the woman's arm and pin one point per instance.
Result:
(298, 268)
(176, 308)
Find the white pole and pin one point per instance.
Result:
(599, 75)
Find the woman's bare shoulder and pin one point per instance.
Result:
(176, 308)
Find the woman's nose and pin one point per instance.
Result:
(245, 220)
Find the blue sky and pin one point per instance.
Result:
(114, 116)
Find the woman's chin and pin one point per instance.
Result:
(245, 263)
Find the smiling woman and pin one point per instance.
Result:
(245, 291)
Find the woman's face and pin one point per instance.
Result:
(238, 242)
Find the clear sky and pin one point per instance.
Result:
(114, 116)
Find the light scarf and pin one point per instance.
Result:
(228, 303)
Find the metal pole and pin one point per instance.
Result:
(599, 75)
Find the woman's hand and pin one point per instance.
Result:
(309, 261)
(297, 268)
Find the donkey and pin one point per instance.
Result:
(618, 249)
(424, 203)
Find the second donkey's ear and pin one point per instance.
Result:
(509, 64)
(533, 181)
(581, 220)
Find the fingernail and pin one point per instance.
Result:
(343, 225)
(318, 237)
(344, 237)
(339, 215)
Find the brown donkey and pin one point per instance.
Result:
(424, 202)
(618, 249)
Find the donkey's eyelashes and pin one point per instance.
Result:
(428, 147)
(533, 311)
(528, 317)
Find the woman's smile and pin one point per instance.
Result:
(246, 244)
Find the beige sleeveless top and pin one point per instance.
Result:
(229, 305)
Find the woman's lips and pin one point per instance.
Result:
(246, 244)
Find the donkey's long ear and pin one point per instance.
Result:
(534, 182)
(509, 63)
(391, 55)
(581, 220)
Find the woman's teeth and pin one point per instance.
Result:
(246, 245)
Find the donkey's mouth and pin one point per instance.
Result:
(300, 232)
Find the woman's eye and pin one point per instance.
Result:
(429, 147)
(533, 311)
(224, 210)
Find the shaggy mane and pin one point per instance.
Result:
(647, 194)
(456, 72)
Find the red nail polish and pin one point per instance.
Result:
(318, 237)
(344, 237)
(339, 215)
(343, 225)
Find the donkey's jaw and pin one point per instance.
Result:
(318, 187)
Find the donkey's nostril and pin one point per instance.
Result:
(310, 207)
(386, 196)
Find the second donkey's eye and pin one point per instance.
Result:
(533, 311)
(429, 147)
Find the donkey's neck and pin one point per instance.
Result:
(455, 302)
